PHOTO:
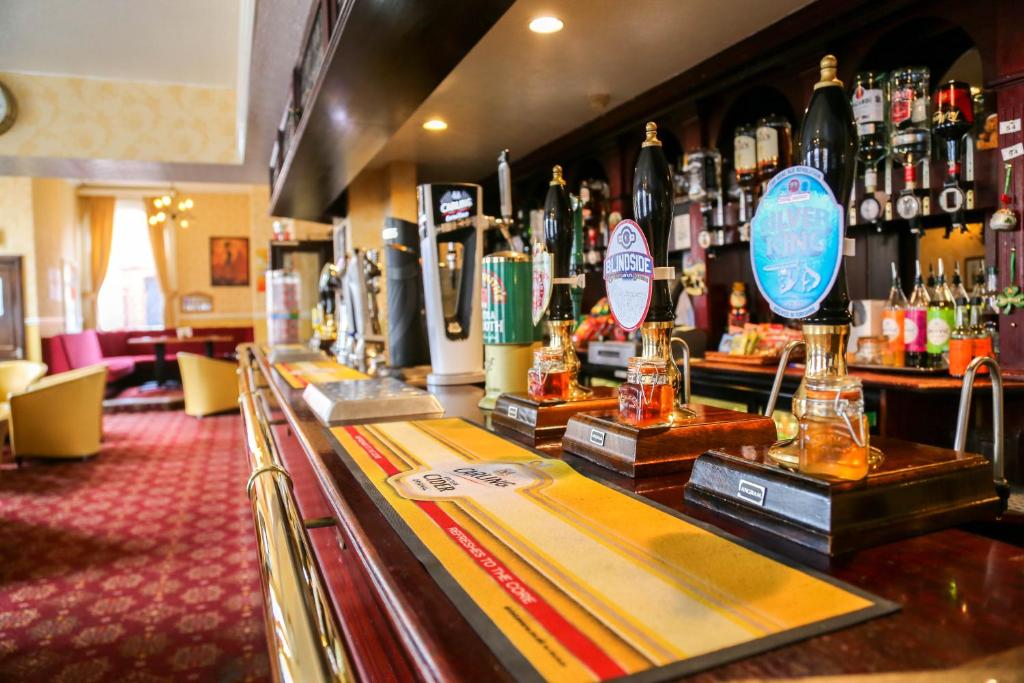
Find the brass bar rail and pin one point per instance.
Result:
(304, 639)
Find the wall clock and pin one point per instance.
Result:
(8, 109)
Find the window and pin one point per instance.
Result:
(130, 297)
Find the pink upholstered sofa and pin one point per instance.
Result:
(70, 351)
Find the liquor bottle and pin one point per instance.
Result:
(893, 324)
(984, 339)
(745, 166)
(959, 292)
(910, 137)
(930, 282)
(828, 143)
(868, 103)
(941, 318)
(704, 185)
(915, 323)
(952, 120)
(774, 146)
(961, 341)
(989, 313)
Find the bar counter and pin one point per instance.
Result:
(961, 590)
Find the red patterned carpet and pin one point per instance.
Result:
(139, 565)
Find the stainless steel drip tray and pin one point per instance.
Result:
(369, 400)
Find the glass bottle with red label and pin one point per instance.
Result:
(952, 119)
(868, 103)
(910, 137)
(647, 397)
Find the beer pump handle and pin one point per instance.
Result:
(505, 185)
(652, 210)
(558, 240)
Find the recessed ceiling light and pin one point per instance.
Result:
(435, 124)
(546, 25)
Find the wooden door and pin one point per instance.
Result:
(12, 309)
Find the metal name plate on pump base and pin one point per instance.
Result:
(369, 400)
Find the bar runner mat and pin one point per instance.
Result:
(301, 373)
(569, 579)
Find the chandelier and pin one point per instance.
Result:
(172, 208)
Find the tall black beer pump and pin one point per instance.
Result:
(538, 418)
(655, 429)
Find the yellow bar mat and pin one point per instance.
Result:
(299, 374)
(569, 579)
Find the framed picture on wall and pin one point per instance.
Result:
(229, 261)
(973, 266)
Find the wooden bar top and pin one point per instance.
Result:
(881, 379)
(961, 590)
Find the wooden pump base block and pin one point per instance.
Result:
(662, 449)
(915, 490)
(541, 424)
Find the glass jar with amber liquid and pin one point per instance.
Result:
(647, 397)
(833, 437)
(548, 379)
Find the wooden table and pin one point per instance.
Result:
(962, 590)
(160, 343)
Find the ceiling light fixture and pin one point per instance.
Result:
(546, 25)
(435, 124)
(172, 208)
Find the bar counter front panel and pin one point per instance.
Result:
(961, 592)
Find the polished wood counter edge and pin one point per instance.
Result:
(879, 379)
(961, 591)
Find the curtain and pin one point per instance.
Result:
(101, 234)
(159, 245)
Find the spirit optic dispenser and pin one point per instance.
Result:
(655, 429)
(951, 122)
(538, 418)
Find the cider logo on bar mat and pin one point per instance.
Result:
(300, 374)
(568, 579)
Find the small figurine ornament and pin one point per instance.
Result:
(738, 314)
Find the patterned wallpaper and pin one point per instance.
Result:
(60, 116)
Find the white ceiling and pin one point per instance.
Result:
(178, 41)
(520, 90)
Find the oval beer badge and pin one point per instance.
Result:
(541, 284)
(796, 242)
(628, 275)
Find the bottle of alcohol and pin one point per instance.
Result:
(774, 146)
(868, 103)
(915, 323)
(828, 143)
(960, 296)
(930, 282)
(941, 319)
(961, 341)
(990, 311)
(745, 165)
(893, 324)
(952, 120)
(909, 134)
(984, 341)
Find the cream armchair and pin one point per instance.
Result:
(210, 385)
(15, 376)
(60, 416)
